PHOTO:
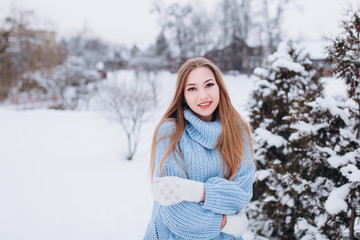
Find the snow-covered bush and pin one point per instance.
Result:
(73, 82)
(67, 85)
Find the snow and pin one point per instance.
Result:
(270, 199)
(326, 150)
(287, 200)
(329, 104)
(304, 128)
(336, 160)
(263, 135)
(292, 66)
(63, 174)
(261, 72)
(351, 172)
(333, 87)
(61, 178)
(262, 174)
(266, 86)
(302, 224)
(336, 200)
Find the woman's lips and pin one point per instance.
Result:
(205, 105)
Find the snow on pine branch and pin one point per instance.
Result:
(336, 200)
(351, 172)
(305, 128)
(286, 64)
(262, 135)
(260, 175)
(331, 105)
(261, 72)
(336, 161)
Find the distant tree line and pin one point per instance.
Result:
(36, 66)
(31, 60)
(194, 30)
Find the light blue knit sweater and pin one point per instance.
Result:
(189, 220)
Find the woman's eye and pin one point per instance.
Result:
(191, 89)
(210, 84)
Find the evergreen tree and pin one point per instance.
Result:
(344, 157)
(334, 152)
(344, 54)
(283, 192)
(161, 47)
(308, 147)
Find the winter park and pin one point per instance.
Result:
(79, 106)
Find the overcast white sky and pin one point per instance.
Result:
(130, 21)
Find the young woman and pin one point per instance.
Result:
(201, 162)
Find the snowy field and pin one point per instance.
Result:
(63, 174)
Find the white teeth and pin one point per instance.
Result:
(204, 104)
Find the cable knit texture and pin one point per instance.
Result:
(199, 221)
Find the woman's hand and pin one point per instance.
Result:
(171, 190)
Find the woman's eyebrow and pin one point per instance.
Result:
(210, 79)
(194, 84)
(190, 84)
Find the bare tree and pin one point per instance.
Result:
(189, 27)
(273, 22)
(177, 24)
(129, 103)
(91, 48)
(234, 21)
(202, 31)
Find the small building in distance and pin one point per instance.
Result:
(237, 56)
(243, 58)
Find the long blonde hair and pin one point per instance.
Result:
(230, 142)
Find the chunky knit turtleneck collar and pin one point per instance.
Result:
(205, 133)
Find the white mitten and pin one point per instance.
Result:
(171, 190)
(236, 225)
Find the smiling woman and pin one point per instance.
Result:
(202, 161)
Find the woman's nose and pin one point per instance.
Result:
(203, 94)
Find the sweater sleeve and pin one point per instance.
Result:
(229, 197)
(187, 220)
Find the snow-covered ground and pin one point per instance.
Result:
(63, 174)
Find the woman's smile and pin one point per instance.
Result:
(205, 105)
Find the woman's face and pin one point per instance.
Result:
(202, 93)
